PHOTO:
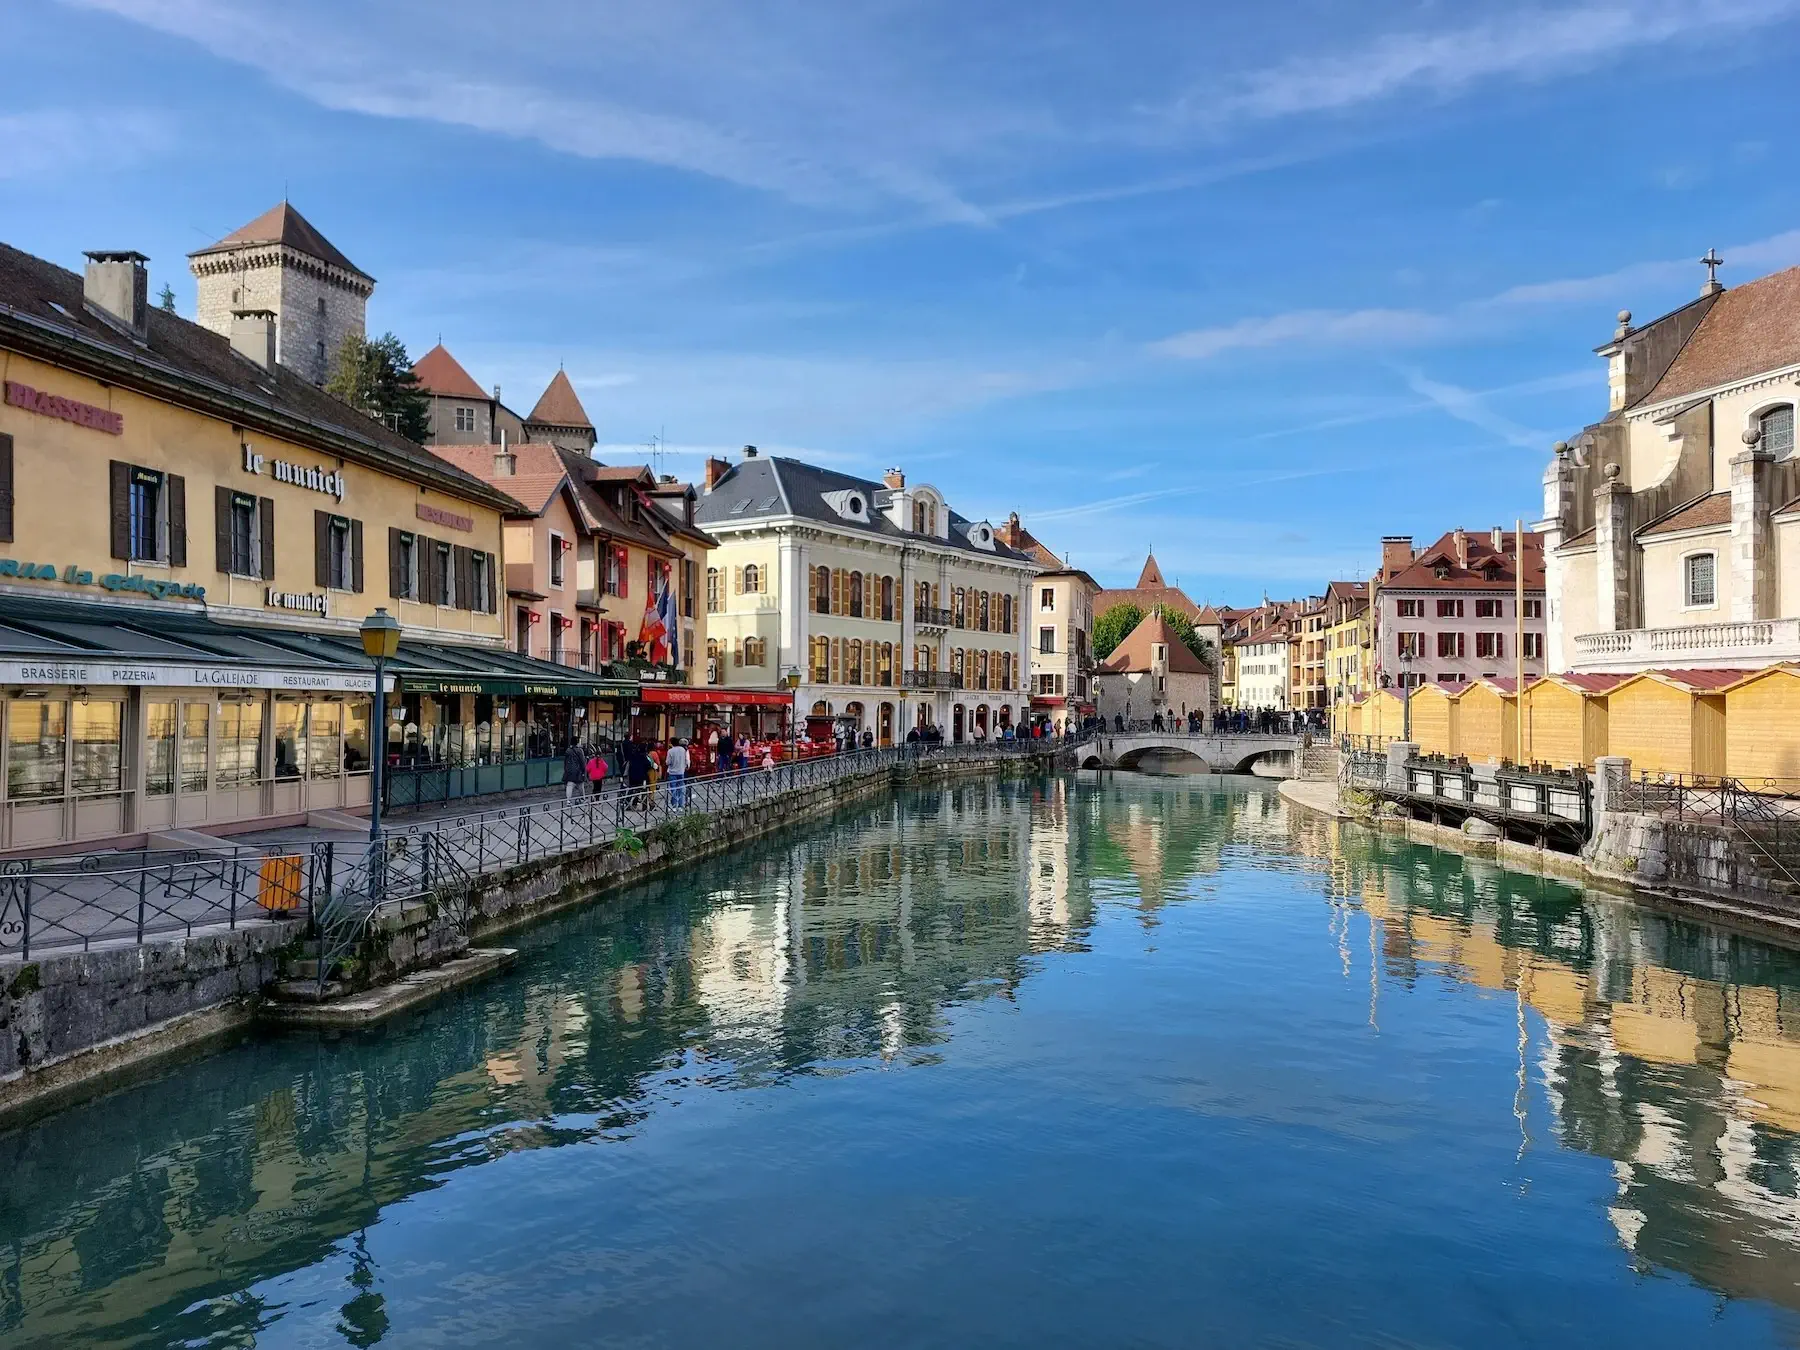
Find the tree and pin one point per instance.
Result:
(167, 298)
(1114, 626)
(1184, 629)
(377, 378)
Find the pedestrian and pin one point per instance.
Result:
(574, 771)
(596, 772)
(637, 771)
(677, 766)
(727, 751)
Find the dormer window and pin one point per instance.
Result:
(1777, 428)
(1441, 571)
(850, 504)
(981, 534)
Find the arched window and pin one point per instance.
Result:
(856, 595)
(957, 597)
(887, 598)
(752, 579)
(754, 649)
(821, 660)
(1006, 614)
(853, 662)
(822, 590)
(956, 663)
(821, 709)
(1777, 427)
(982, 622)
(715, 597)
(981, 671)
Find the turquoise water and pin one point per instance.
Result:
(1141, 1063)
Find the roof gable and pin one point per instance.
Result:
(282, 224)
(1749, 329)
(558, 406)
(1132, 656)
(438, 372)
(1151, 576)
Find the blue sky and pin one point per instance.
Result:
(1253, 284)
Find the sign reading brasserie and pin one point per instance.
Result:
(72, 575)
(316, 479)
(98, 673)
(66, 409)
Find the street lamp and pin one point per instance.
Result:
(791, 678)
(1406, 660)
(380, 640)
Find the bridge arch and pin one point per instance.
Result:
(1134, 757)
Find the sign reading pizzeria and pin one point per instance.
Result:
(67, 409)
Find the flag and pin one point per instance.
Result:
(670, 619)
(651, 630)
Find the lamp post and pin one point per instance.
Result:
(1406, 660)
(792, 680)
(380, 640)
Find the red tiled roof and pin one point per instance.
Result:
(1421, 573)
(1714, 509)
(1580, 540)
(538, 475)
(1705, 681)
(1594, 683)
(438, 372)
(1146, 599)
(282, 224)
(1133, 654)
(1151, 578)
(1749, 329)
(559, 407)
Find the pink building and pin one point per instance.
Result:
(1449, 613)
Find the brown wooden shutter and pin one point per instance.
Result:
(321, 549)
(121, 509)
(222, 526)
(356, 558)
(265, 507)
(463, 560)
(737, 581)
(493, 595)
(177, 489)
(6, 487)
(396, 575)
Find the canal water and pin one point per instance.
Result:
(1145, 1062)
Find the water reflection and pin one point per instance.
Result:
(164, 1213)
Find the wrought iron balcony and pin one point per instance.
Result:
(931, 679)
(927, 616)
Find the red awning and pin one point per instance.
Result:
(1046, 701)
(721, 698)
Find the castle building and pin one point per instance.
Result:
(459, 411)
(560, 419)
(279, 265)
(1152, 673)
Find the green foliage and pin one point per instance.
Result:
(377, 378)
(1114, 626)
(683, 831)
(628, 842)
(167, 298)
(1184, 629)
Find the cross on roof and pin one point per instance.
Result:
(1712, 262)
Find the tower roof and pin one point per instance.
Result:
(282, 224)
(1151, 577)
(559, 407)
(438, 372)
(1133, 655)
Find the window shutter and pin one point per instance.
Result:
(6, 487)
(837, 661)
(120, 474)
(737, 581)
(624, 573)
(396, 578)
(356, 556)
(176, 486)
(321, 549)
(464, 559)
(493, 598)
(265, 510)
(222, 527)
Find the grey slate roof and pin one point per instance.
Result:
(772, 486)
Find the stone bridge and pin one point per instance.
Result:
(1247, 752)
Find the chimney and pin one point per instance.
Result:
(506, 464)
(1462, 546)
(1396, 554)
(1499, 538)
(1009, 533)
(894, 479)
(749, 452)
(716, 469)
(253, 336)
(496, 393)
(117, 287)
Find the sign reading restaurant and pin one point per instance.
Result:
(66, 409)
(96, 673)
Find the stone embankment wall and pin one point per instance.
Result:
(72, 1022)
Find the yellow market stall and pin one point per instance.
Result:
(1486, 725)
(1762, 727)
(1565, 719)
(1671, 721)
(1434, 710)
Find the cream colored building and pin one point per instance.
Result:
(1673, 523)
(1059, 628)
(890, 609)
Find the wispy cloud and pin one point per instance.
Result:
(45, 140)
(1466, 405)
(1534, 44)
(1314, 327)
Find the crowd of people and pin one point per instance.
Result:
(1228, 722)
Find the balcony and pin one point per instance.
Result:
(930, 679)
(925, 616)
(1753, 643)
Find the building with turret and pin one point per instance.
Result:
(280, 266)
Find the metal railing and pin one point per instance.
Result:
(128, 897)
(1764, 812)
(930, 616)
(931, 679)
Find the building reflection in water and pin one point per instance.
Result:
(1670, 1047)
(158, 1213)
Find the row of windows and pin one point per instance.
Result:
(1486, 607)
(1453, 645)
(853, 661)
(750, 651)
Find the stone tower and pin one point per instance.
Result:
(560, 419)
(280, 263)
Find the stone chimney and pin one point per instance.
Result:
(117, 288)
(1396, 554)
(749, 452)
(897, 480)
(253, 336)
(506, 463)
(1461, 538)
(716, 469)
(1499, 537)
(1011, 532)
